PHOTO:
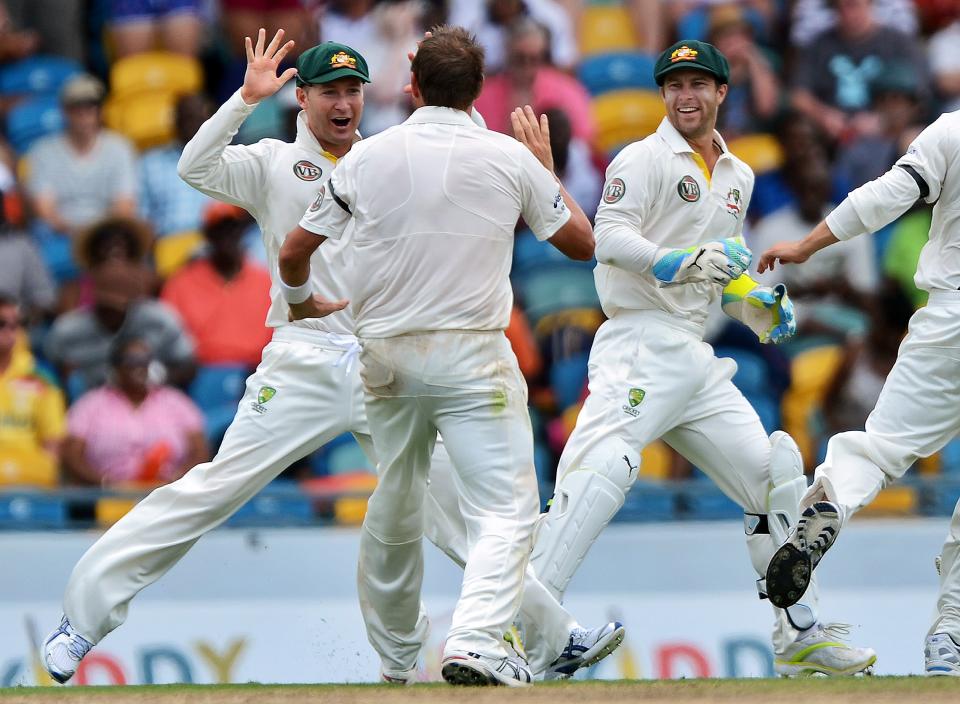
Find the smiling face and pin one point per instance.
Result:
(692, 98)
(333, 112)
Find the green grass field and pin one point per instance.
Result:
(867, 690)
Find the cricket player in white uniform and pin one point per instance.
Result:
(434, 203)
(668, 233)
(305, 392)
(918, 411)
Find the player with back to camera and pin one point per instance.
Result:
(305, 392)
(433, 204)
(669, 242)
(918, 411)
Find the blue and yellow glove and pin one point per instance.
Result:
(720, 262)
(767, 311)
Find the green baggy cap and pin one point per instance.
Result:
(329, 61)
(692, 54)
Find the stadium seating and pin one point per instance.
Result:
(27, 510)
(153, 72)
(604, 73)
(216, 390)
(551, 290)
(32, 119)
(810, 374)
(275, 506)
(761, 152)
(145, 119)
(568, 377)
(606, 28)
(37, 75)
(648, 501)
(625, 116)
(170, 253)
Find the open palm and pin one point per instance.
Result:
(261, 79)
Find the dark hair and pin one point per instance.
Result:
(119, 345)
(449, 68)
(134, 235)
(8, 299)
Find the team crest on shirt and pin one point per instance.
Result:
(307, 170)
(315, 205)
(733, 202)
(614, 190)
(263, 397)
(343, 60)
(688, 189)
(635, 397)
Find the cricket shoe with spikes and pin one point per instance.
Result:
(473, 669)
(791, 567)
(63, 650)
(823, 652)
(585, 648)
(941, 655)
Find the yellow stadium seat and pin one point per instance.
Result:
(111, 509)
(170, 253)
(893, 501)
(147, 119)
(655, 461)
(606, 28)
(761, 152)
(155, 71)
(811, 372)
(625, 116)
(350, 510)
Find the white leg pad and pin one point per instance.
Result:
(584, 502)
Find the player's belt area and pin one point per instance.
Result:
(347, 345)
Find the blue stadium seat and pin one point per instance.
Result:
(950, 459)
(216, 389)
(531, 254)
(618, 71)
(275, 507)
(552, 290)
(768, 409)
(706, 502)
(37, 75)
(567, 379)
(32, 119)
(751, 377)
(348, 457)
(648, 501)
(28, 511)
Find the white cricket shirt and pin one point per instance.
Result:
(434, 203)
(659, 190)
(274, 181)
(929, 170)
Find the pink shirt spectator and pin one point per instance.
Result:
(122, 439)
(551, 89)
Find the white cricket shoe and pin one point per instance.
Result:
(400, 678)
(791, 567)
(585, 648)
(941, 655)
(464, 668)
(62, 651)
(822, 652)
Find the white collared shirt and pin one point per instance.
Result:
(929, 170)
(274, 181)
(434, 202)
(659, 189)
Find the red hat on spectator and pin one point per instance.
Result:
(217, 212)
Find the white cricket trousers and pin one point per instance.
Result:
(466, 386)
(690, 402)
(917, 414)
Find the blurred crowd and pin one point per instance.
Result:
(132, 306)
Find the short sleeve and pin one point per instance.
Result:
(332, 209)
(541, 202)
(926, 160)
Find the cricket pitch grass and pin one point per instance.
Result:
(866, 690)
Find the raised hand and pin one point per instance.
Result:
(782, 253)
(261, 79)
(533, 134)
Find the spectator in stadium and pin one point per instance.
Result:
(844, 276)
(223, 297)
(23, 275)
(244, 18)
(811, 18)
(31, 407)
(572, 162)
(131, 430)
(16, 42)
(836, 74)
(753, 98)
(79, 176)
(866, 362)
(79, 341)
(166, 202)
(137, 26)
(944, 56)
(529, 79)
(492, 22)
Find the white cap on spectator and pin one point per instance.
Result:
(82, 89)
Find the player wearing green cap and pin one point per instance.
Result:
(669, 242)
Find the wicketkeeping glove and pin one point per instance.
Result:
(767, 311)
(719, 261)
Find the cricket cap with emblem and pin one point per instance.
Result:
(329, 61)
(692, 54)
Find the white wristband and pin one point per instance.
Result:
(295, 294)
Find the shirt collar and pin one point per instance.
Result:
(678, 144)
(434, 114)
(307, 140)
